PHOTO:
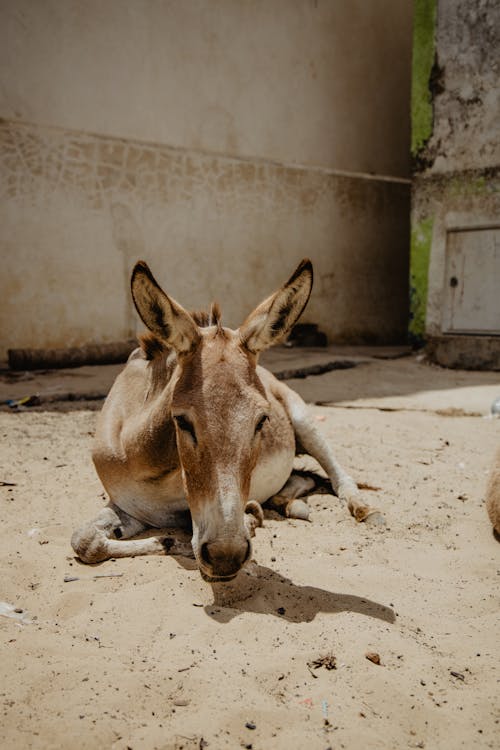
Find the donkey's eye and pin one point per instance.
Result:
(185, 425)
(260, 424)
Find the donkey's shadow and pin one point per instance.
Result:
(264, 591)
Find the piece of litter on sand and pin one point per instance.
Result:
(26, 401)
(7, 484)
(458, 675)
(365, 486)
(16, 613)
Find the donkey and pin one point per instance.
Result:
(194, 429)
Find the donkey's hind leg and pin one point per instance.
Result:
(108, 535)
(289, 500)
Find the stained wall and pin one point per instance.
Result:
(456, 149)
(221, 142)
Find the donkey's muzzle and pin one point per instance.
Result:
(221, 561)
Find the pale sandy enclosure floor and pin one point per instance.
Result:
(156, 658)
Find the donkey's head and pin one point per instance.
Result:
(220, 408)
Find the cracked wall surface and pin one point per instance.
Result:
(210, 227)
(222, 142)
(310, 82)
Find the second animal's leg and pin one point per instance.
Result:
(108, 535)
(315, 444)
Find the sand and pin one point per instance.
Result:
(153, 657)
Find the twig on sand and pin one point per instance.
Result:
(69, 579)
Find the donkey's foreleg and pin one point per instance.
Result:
(315, 444)
(108, 535)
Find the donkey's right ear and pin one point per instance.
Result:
(162, 315)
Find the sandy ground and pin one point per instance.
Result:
(153, 657)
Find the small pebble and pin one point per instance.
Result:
(181, 702)
(373, 657)
(281, 610)
(250, 725)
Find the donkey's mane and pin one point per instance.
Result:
(153, 346)
(205, 319)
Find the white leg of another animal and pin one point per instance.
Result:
(108, 535)
(315, 444)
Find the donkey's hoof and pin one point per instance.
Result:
(298, 509)
(254, 516)
(362, 512)
(90, 544)
(374, 518)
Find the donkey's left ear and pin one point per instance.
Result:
(274, 318)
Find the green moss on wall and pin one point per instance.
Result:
(424, 22)
(420, 250)
(424, 26)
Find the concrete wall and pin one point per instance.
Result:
(220, 141)
(456, 147)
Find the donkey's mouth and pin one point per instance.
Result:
(217, 579)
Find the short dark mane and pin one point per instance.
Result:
(205, 319)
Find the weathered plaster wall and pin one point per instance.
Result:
(221, 142)
(304, 81)
(457, 151)
(465, 85)
(211, 227)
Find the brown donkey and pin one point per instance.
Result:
(193, 426)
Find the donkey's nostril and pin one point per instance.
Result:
(204, 554)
